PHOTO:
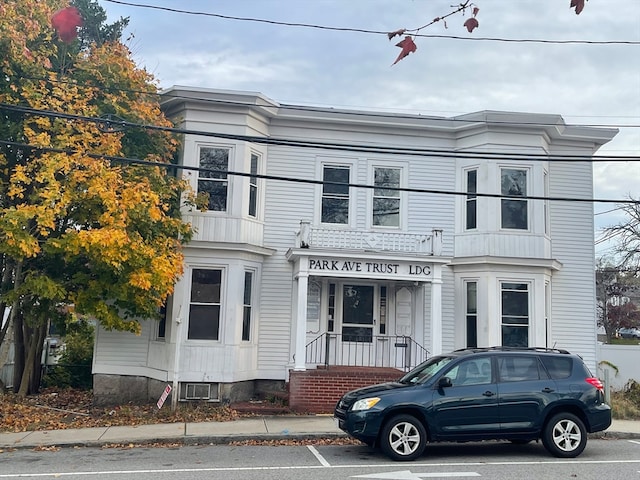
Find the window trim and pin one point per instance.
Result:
(470, 197)
(401, 196)
(528, 172)
(529, 326)
(250, 305)
(466, 283)
(221, 315)
(336, 163)
(228, 178)
(254, 183)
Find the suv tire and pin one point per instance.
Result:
(564, 436)
(403, 438)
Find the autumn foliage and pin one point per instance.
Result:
(408, 43)
(81, 233)
(66, 22)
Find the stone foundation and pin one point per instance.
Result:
(110, 390)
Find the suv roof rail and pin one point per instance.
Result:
(513, 349)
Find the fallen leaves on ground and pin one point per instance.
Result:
(69, 408)
(55, 409)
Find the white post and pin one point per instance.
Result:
(436, 312)
(175, 393)
(302, 280)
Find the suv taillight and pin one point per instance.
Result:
(595, 382)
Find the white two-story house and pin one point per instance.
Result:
(368, 239)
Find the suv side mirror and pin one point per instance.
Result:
(444, 382)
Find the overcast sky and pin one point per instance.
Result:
(585, 83)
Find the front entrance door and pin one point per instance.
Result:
(356, 343)
(357, 313)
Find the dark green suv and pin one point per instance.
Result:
(515, 394)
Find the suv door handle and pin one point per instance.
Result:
(488, 393)
(548, 389)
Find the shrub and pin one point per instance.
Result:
(625, 403)
(74, 367)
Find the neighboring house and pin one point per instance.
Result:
(364, 239)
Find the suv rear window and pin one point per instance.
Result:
(558, 367)
(514, 368)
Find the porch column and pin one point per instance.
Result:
(301, 315)
(436, 312)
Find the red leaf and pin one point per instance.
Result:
(396, 33)
(407, 46)
(65, 21)
(475, 11)
(578, 4)
(471, 23)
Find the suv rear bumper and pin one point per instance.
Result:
(599, 418)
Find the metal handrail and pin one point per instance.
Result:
(395, 351)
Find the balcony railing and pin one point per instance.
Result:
(367, 240)
(396, 351)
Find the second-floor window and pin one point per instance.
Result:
(253, 186)
(212, 178)
(386, 197)
(471, 205)
(514, 210)
(335, 194)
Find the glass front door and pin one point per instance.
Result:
(357, 313)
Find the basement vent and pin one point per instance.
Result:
(199, 391)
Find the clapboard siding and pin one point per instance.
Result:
(572, 228)
(122, 348)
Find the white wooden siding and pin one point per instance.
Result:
(573, 317)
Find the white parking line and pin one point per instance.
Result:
(634, 441)
(304, 467)
(320, 458)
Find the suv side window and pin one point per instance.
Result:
(476, 371)
(558, 367)
(515, 368)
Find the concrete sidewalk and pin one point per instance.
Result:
(254, 428)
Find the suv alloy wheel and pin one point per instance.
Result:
(564, 435)
(403, 438)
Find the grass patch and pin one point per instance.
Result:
(625, 403)
(625, 341)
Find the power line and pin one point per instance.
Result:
(454, 154)
(136, 161)
(367, 31)
(316, 109)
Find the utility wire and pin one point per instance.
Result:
(367, 31)
(326, 145)
(136, 161)
(316, 109)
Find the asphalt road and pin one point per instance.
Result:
(603, 459)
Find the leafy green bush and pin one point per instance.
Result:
(74, 367)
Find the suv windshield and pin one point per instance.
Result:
(426, 370)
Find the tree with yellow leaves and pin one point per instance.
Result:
(81, 232)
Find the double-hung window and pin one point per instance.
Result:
(386, 197)
(471, 314)
(471, 201)
(212, 177)
(246, 306)
(204, 307)
(515, 314)
(514, 210)
(253, 186)
(335, 194)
